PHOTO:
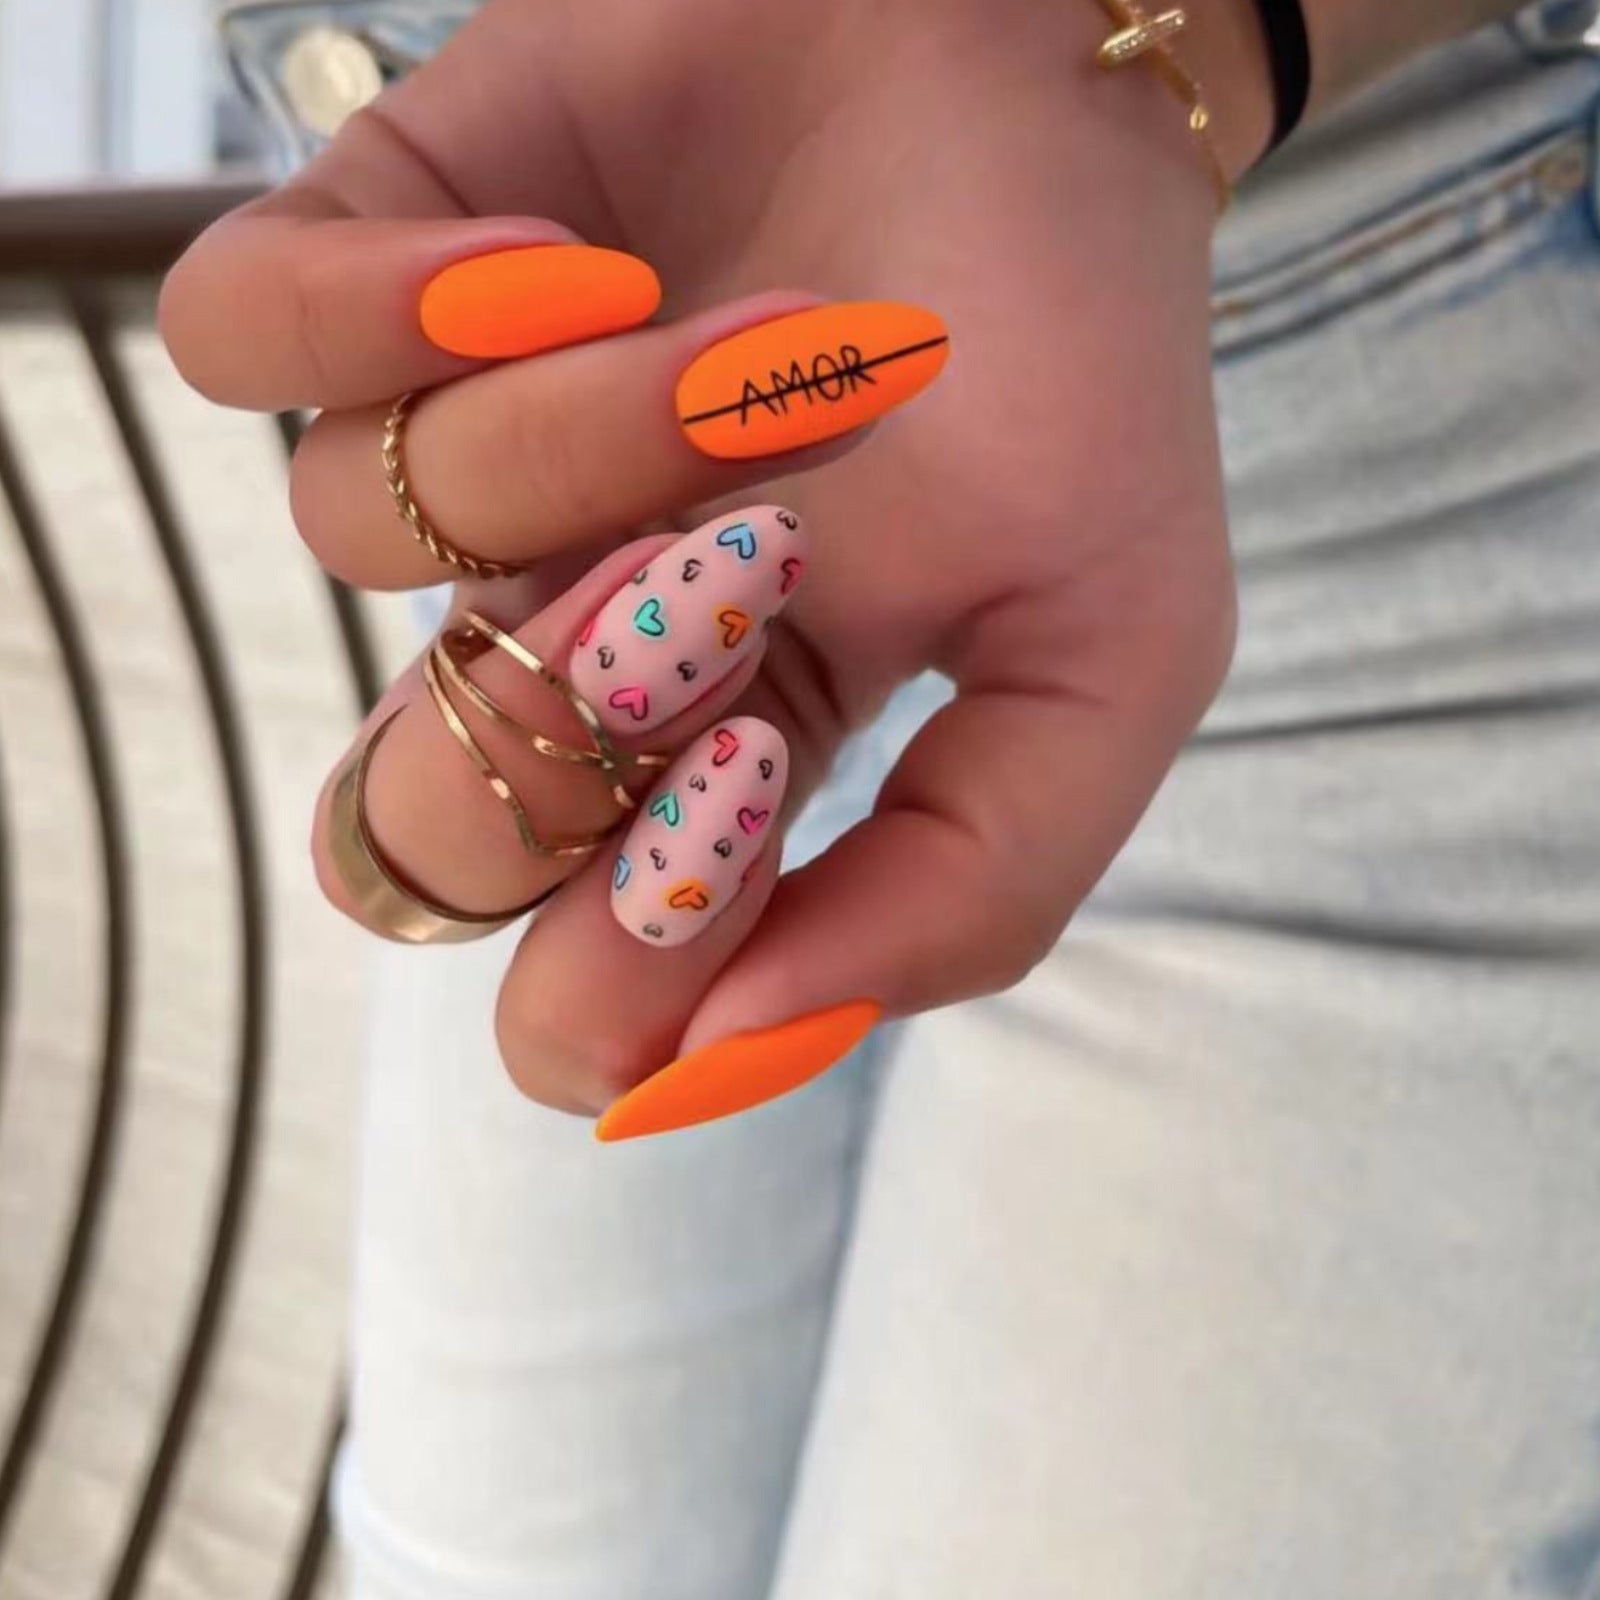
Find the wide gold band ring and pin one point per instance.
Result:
(383, 900)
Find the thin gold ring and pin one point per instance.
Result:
(555, 850)
(602, 754)
(383, 899)
(423, 531)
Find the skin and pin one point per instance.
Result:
(1045, 525)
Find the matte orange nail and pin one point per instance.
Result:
(538, 297)
(807, 377)
(735, 1074)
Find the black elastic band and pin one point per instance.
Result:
(1289, 51)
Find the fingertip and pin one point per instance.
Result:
(738, 1073)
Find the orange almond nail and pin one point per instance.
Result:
(539, 297)
(808, 376)
(735, 1074)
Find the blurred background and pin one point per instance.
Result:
(116, 88)
(180, 1018)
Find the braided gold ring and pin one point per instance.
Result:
(423, 531)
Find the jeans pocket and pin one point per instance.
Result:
(1446, 227)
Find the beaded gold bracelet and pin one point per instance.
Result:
(1140, 35)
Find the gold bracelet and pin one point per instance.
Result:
(1139, 35)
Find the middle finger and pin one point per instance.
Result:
(568, 448)
(658, 640)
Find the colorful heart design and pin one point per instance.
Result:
(741, 537)
(666, 807)
(634, 700)
(651, 619)
(606, 656)
(727, 747)
(751, 820)
(621, 872)
(691, 895)
(792, 568)
(588, 631)
(735, 625)
(691, 569)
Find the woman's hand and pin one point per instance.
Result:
(1045, 524)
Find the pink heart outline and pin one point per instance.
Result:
(633, 700)
(751, 820)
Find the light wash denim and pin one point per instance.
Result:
(1251, 1249)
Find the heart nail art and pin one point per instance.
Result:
(658, 858)
(621, 872)
(740, 538)
(690, 896)
(713, 844)
(650, 620)
(734, 624)
(634, 701)
(766, 767)
(740, 573)
(809, 376)
(588, 631)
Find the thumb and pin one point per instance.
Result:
(997, 821)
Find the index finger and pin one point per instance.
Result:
(317, 294)
(289, 303)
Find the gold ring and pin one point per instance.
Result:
(423, 531)
(543, 849)
(384, 900)
(601, 752)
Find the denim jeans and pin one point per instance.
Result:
(1251, 1248)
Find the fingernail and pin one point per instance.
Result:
(538, 297)
(701, 829)
(684, 622)
(808, 377)
(738, 1073)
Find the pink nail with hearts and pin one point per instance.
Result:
(681, 624)
(699, 832)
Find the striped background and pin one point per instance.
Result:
(179, 1015)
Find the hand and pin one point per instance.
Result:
(1045, 524)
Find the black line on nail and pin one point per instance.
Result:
(761, 397)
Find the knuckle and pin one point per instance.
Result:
(311, 507)
(180, 322)
(312, 321)
(544, 1066)
(544, 442)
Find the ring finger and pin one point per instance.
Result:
(456, 803)
(554, 452)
